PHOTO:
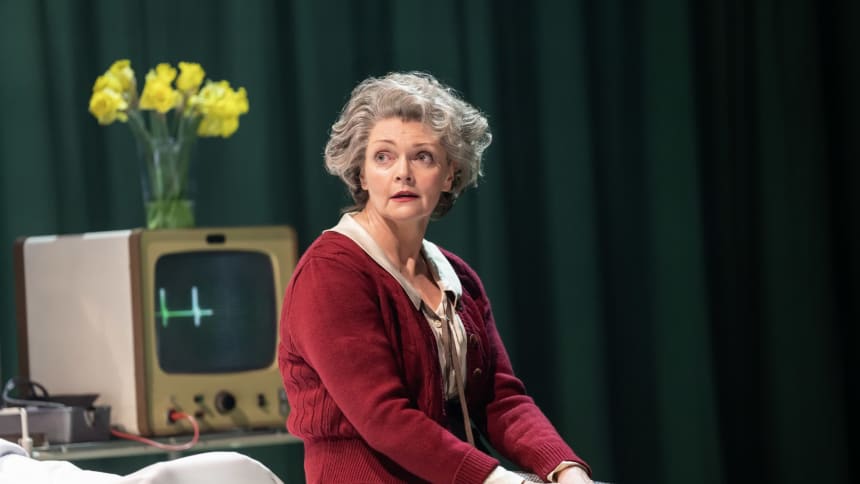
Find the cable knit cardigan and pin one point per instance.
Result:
(361, 372)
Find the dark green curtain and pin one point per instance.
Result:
(668, 226)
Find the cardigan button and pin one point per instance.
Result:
(473, 339)
(477, 373)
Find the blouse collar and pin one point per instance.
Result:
(440, 267)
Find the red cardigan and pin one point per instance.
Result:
(361, 372)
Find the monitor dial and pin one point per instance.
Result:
(224, 401)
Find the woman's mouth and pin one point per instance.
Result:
(404, 196)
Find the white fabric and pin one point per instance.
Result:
(206, 468)
(500, 475)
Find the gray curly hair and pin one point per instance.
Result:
(411, 96)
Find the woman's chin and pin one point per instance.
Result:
(404, 216)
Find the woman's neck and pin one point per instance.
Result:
(401, 243)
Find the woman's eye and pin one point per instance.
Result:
(381, 157)
(425, 157)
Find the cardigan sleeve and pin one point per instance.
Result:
(515, 426)
(335, 324)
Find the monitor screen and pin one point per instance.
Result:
(214, 311)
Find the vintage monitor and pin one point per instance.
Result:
(159, 320)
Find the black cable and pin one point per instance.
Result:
(19, 383)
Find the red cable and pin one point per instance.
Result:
(174, 416)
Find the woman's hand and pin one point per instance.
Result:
(574, 475)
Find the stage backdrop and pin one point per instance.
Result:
(668, 226)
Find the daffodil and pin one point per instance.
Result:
(190, 77)
(121, 70)
(221, 107)
(165, 140)
(165, 73)
(107, 106)
(157, 93)
(108, 81)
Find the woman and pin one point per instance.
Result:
(388, 346)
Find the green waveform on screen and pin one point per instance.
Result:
(195, 312)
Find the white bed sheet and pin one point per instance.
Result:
(16, 467)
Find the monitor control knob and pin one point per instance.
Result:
(224, 401)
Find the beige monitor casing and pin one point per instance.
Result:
(86, 324)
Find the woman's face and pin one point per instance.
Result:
(405, 170)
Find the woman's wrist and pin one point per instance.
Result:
(574, 471)
(554, 475)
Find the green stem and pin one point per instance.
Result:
(157, 161)
(167, 161)
(158, 123)
(187, 136)
(138, 128)
(144, 146)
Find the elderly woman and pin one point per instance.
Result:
(389, 353)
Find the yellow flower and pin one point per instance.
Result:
(165, 72)
(157, 93)
(221, 107)
(217, 106)
(205, 100)
(219, 99)
(121, 70)
(108, 81)
(239, 101)
(190, 76)
(215, 126)
(107, 106)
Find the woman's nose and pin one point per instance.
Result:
(403, 170)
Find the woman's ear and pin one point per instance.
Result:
(449, 180)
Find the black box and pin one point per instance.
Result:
(59, 425)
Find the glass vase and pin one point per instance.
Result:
(167, 184)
